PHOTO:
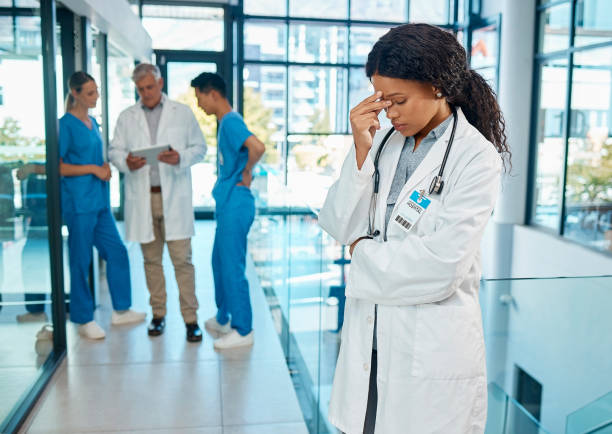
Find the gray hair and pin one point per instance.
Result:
(143, 69)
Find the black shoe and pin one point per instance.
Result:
(156, 327)
(194, 334)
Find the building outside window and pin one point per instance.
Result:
(302, 75)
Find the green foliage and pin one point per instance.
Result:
(259, 120)
(589, 180)
(10, 135)
(208, 124)
(257, 117)
(33, 148)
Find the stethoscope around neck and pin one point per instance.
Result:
(436, 186)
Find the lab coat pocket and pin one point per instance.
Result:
(448, 343)
(427, 224)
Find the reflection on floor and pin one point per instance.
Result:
(133, 383)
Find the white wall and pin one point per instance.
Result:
(553, 329)
(556, 331)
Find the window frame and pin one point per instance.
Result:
(539, 59)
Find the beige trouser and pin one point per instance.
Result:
(180, 253)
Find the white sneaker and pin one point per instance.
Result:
(32, 317)
(127, 317)
(91, 330)
(213, 326)
(233, 340)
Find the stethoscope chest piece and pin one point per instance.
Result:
(437, 184)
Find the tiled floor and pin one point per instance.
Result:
(133, 383)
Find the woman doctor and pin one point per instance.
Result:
(412, 357)
(86, 211)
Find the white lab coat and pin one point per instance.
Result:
(179, 128)
(431, 359)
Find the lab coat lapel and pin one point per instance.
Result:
(431, 162)
(387, 166)
(142, 126)
(166, 115)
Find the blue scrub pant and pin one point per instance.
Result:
(86, 231)
(234, 219)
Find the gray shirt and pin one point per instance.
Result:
(153, 115)
(409, 160)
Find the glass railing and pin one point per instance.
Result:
(506, 416)
(548, 343)
(593, 418)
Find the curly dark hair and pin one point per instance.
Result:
(428, 54)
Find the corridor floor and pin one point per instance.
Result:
(133, 383)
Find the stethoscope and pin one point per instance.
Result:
(436, 186)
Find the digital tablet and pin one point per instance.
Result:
(150, 153)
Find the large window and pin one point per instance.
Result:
(572, 191)
(303, 74)
(25, 283)
(121, 94)
(184, 27)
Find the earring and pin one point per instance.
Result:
(439, 94)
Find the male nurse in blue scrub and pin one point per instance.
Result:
(238, 150)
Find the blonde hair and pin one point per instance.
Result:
(76, 82)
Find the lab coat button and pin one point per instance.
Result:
(366, 367)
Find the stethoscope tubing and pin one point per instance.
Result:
(437, 183)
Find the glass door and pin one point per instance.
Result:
(178, 69)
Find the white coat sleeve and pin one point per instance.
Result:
(118, 149)
(426, 269)
(344, 214)
(195, 148)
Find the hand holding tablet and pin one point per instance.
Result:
(150, 154)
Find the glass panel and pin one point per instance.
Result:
(588, 191)
(26, 3)
(184, 27)
(265, 7)
(381, 10)
(24, 249)
(362, 40)
(317, 100)
(314, 43)
(554, 28)
(520, 334)
(319, 9)
(485, 42)
(121, 94)
(203, 174)
(550, 143)
(431, 11)
(96, 72)
(313, 164)
(595, 414)
(593, 22)
(264, 40)
(265, 113)
(359, 89)
(489, 74)
(462, 15)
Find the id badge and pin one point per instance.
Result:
(411, 211)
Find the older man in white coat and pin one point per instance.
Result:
(158, 206)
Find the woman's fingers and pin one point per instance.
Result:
(371, 103)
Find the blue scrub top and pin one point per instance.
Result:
(80, 145)
(233, 157)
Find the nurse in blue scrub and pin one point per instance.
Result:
(86, 211)
(239, 150)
